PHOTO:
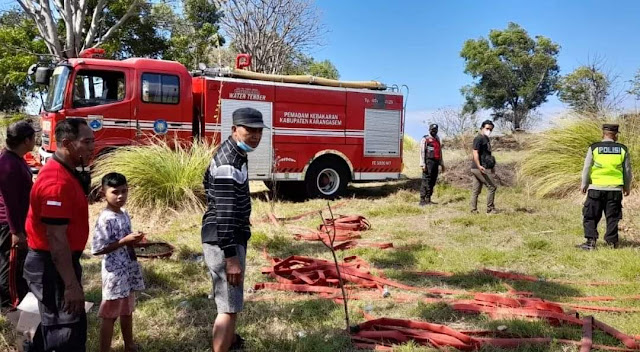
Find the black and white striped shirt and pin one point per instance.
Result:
(226, 183)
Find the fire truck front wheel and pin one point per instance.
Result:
(327, 178)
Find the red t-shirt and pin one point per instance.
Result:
(58, 198)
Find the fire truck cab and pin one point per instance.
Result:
(321, 137)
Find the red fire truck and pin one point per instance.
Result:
(323, 134)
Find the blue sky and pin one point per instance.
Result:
(418, 42)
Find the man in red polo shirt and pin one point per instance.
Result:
(57, 232)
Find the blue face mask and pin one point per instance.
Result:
(244, 146)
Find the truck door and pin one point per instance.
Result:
(163, 108)
(103, 97)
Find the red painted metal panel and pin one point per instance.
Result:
(302, 95)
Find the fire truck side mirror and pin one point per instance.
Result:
(43, 74)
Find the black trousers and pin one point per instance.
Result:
(59, 331)
(13, 287)
(429, 178)
(609, 202)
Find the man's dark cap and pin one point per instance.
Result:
(611, 127)
(433, 126)
(248, 117)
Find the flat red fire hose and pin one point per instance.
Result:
(326, 238)
(342, 233)
(353, 244)
(522, 277)
(345, 223)
(587, 334)
(318, 272)
(317, 276)
(381, 333)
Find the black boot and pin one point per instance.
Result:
(589, 245)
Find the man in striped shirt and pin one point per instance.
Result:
(225, 224)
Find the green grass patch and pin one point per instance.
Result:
(394, 210)
(537, 244)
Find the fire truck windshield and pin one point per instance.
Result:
(55, 94)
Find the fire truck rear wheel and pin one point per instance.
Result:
(327, 178)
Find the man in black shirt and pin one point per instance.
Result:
(225, 224)
(482, 167)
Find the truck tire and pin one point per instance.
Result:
(327, 178)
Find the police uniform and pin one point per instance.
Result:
(430, 160)
(606, 174)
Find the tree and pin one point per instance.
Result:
(302, 64)
(81, 31)
(139, 36)
(324, 69)
(20, 48)
(635, 86)
(195, 35)
(585, 89)
(454, 122)
(274, 32)
(514, 73)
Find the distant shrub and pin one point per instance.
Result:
(409, 144)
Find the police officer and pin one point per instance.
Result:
(430, 159)
(606, 176)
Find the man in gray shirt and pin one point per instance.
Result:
(606, 177)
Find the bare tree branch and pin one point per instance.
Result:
(73, 14)
(95, 19)
(34, 13)
(272, 30)
(132, 8)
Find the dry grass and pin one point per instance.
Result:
(161, 175)
(532, 235)
(554, 163)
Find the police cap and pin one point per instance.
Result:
(611, 127)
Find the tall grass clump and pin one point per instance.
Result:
(553, 166)
(160, 175)
(5, 121)
(409, 144)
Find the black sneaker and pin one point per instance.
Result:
(474, 211)
(589, 245)
(238, 344)
(422, 203)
